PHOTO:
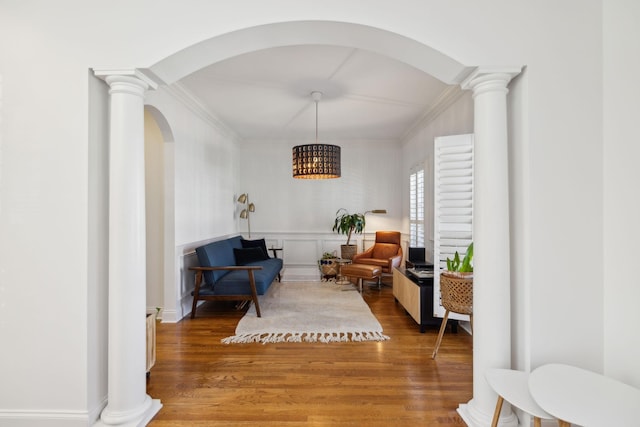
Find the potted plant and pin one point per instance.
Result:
(461, 268)
(346, 223)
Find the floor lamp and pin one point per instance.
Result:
(374, 211)
(246, 212)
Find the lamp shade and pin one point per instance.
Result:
(316, 161)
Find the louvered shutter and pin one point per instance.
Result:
(453, 206)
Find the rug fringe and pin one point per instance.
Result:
(324, 337)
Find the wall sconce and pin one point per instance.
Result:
(246, 212)
(374, 211)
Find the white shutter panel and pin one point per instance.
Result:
(453, 206)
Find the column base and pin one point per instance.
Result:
(475, 418)
(140, 418)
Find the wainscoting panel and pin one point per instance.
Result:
(299, 252)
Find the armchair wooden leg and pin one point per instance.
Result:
(440, 334)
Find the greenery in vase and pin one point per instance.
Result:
(329, 255)
(346, 223)
(463, 266)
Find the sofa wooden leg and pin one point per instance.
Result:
(196, 293)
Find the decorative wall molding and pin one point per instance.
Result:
(189, 100)
(447, 98)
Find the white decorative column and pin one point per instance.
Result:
(128, 403)
(491, 277)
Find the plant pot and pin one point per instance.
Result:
(328, 267)
(458, 274)
(348, 251)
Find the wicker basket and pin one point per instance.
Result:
(457, 294)
(329, 267)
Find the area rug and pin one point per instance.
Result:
(308, 312)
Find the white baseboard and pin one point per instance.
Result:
(170, 316)
(300, 274)
(10, 418)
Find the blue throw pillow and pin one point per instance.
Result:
(246, 256)
(258, 243)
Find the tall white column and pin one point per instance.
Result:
(491, 277)
(128, 403)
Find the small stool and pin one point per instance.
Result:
(513, 386)
(361, 272)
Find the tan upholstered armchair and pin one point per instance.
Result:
(386, 252)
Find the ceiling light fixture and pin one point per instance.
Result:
(316, 161)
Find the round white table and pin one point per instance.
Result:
(585, 398)
(513, 387)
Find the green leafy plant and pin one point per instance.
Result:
(463, 266)
(328, 255)
(346, 223)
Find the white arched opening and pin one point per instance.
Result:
(392, 45)
(489, 86)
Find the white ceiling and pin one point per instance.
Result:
(266, 94)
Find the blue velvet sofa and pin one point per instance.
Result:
(234, 269)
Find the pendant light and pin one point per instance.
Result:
(316, 161)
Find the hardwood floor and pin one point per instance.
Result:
(202, 382)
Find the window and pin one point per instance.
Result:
(416, 208)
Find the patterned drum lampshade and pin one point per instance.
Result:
(316, 161)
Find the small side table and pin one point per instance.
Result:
(513, 386)
(275, 251)
(583, 397)
(342, 280)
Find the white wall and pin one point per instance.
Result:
(97, 254)
(154, 209)
(370, 175)
(50, 195)
(564, 209)
(621, 196)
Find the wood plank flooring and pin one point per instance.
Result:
(202, 382)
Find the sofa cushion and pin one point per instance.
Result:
(235, 241)
(258, 243)
(215, 254)
(246, 256)
(236, 282)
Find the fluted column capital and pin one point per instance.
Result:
(131, 81)
(484, 79)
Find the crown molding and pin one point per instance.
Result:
(189, 100)
(447, 98)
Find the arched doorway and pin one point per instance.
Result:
(489, 86)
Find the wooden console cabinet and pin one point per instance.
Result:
(416, 296)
